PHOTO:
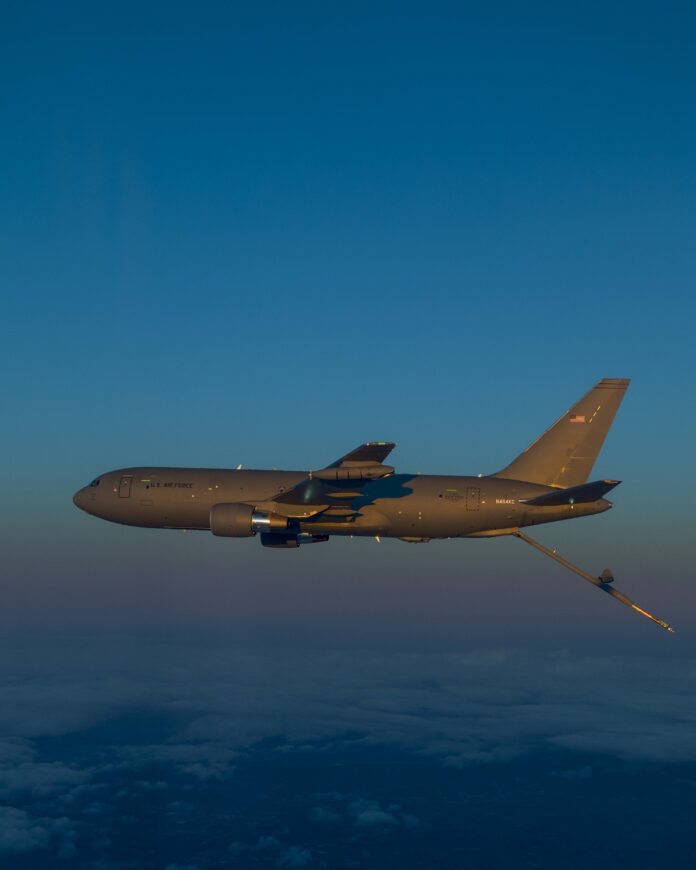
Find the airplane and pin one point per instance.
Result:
(358, 495)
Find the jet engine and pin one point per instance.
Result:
(243, 521)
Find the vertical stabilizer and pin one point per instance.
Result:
(565, 453)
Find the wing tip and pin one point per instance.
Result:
(614, 383)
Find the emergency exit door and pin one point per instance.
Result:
(124, 486)
(473, 498)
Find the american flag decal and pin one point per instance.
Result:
(577, 418)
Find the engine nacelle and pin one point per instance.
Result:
(242, 521)
(231, 520)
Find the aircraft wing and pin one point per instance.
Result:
(370, 453)
(332, 489)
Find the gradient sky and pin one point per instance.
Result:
(264, 235)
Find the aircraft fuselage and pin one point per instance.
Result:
(411, 506)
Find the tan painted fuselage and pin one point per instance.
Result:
(410, 506)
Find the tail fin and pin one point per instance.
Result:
(565, 453)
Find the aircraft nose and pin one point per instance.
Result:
(80, 499)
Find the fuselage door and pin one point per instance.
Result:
(473, 498)
(124, 486)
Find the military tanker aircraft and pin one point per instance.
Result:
(359, 495)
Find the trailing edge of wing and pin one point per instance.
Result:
(586, 492)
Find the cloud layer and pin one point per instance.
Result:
(89, 724)
(485, 705)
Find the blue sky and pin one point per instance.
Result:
(265, 233)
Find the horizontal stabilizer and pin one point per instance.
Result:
(586, 492)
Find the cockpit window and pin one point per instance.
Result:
(95, 482)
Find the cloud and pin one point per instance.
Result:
(461, 709)
(20, 772)
(319, 814)
(185, 719)
(285, 856)
(20, 833)
(361, 812)
(374, 817)
(480, 707)
(294, 856)
(203, 761)
(265, 843)
(368, 813)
